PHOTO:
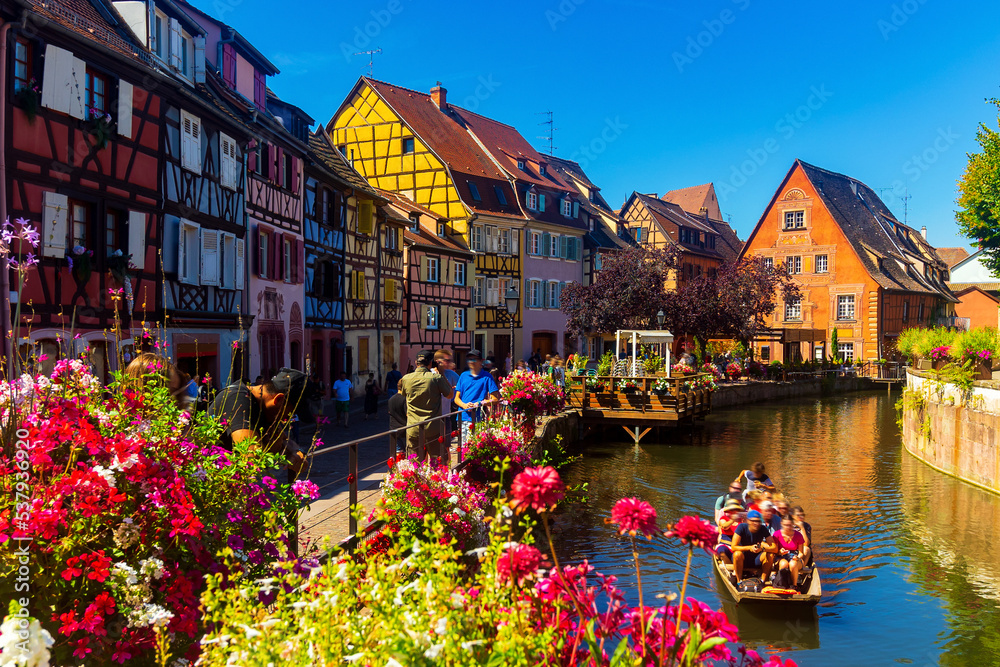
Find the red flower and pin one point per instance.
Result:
(518, 563)
(71, 571)
(634, 516)
(694, 531)
(104, 604)
(537, 488)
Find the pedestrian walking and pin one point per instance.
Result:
(342, 398)
(475, 387)
(372, 392)
(423, 391)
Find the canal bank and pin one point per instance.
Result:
(909, 572)
(953, 429)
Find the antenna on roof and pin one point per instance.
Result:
(552, 130)
(906, 207)
(371, 59)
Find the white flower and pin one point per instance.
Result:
(392, 663)
(108, 475)
(453, 500)
(250, 632)
(151, 568)
(442, 626)
(433, 651)
(23, 642)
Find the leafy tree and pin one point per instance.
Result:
(979, 195)
(628, 293)
(747, 294)
(694, 309)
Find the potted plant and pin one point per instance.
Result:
(100, 127)
(734, 370)
(80, 263)
(605, 365)
(628, 386)
(29, 98)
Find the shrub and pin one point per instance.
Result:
(491, 443)
(929, 339)
(531, 395)
(606, 363)
(976, 345)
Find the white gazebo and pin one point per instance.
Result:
(639, 336)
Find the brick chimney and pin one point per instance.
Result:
(440, 96)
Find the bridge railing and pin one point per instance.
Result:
(636, 393)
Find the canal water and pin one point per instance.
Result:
(910, 557)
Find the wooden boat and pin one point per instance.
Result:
(812, 585)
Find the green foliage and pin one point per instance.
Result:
(979, 196)
(606, 363)
(907, 341)
(980, 344)
(933, 338)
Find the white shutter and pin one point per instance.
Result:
(182, 250)
(199, 59)
(175, 44)
(78, 89)
(190, 142)
(227, 161)
(124, 108)
(210, 257)
(137, 238)
(514, 241)
(55, 224)
(56, 76)
(240, 262)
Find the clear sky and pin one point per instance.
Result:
(653, 96)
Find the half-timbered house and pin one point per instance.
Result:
(418, 145)
(436, 287)
(204, 242)
(861, 271)
(80, 146)
(330, 185)
(273, 202)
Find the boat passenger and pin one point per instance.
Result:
(756, 478)
(769, 517)
(790, 543)
(799, 516)
(780, 505)
(754, 499)
(753, 546)
(735, 491)
(727, 522)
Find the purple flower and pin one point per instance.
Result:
(69, 260)
(270, 482)
(235, 542)
(305, 489)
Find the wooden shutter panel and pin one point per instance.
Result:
(55, 224)
(241, 252)
(210, 257)
(541, 203)
(423, 317)
(300, 259)
(546, 244)
(423, 269)
(514, 241)
(175, 44)
(563, 243)
(470, 273)
(295, 175)
(251, 159)
(279, 259)
(56, 74)
(229, 65)
(272, 162)
(527, 292)
(78, 78)
(124, 120)
(366, 212)
(576, 209)
(137, 238)
(256, 267)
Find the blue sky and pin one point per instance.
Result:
(655, 96)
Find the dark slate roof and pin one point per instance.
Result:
(666, 212)
(326, 157)
(881, 241)
(731, 245)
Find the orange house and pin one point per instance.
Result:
(861, 271)
(981, 307)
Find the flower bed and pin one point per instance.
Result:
(531, 395)
(491, 443)
(127, 505)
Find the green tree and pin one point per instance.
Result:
(979, 195)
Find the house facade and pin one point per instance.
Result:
(81, 141)
(417, 144)
(861, 271)
(436, 286)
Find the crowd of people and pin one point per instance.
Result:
(759, 530)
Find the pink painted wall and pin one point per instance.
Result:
(244, 77)
(545, 319)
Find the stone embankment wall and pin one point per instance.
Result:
(728, 395)
(953, 430)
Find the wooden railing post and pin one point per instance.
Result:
(352, 521)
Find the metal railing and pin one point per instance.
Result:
(397, 442)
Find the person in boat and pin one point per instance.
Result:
(769, 518)
(757, 478)
(799, 517)
(753, 547)
(790, 543)
(735, 492)
(753, 500)
(781, 507)
(728, 520)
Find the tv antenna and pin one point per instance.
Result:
(550, 137)
(371, 59)
(906, 200)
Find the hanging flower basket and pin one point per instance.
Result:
(100, 127)
(29, 98)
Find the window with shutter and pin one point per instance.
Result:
(190, 142)
(188, 252)
(55, 224)
(210, 257)
(263, 253)
(137, 238)
(228, 169)
(366, 217)
(240, 263)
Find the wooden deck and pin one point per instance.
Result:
(640, 408)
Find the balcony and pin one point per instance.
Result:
(960, 323)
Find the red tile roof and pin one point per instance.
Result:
(100, 25)
(952, 256)
(447, 135)
(695, 198)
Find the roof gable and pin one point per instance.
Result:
(696, 199)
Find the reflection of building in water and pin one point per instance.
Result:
(957, 525)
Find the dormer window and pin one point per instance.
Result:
(532, 201)
(567, 207)
(501, 197)
(414, 222)
(474, 191)
(591, 194)
(520, 165)
(543, 170)
(442, 229)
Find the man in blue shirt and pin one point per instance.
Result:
(392, 379)
(475, 387)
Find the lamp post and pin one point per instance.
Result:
(511, 300)
(660, 318)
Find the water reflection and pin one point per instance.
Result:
(908, 571)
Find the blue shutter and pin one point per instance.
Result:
(546, 245)
(541, 203)
(576, 209)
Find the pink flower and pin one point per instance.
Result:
(303, 488)
(694, 531)
(537, 488)
(519, 562)
(634, 516)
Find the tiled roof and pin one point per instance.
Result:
(695, 198)
(428, 240)
(447, 135)
(664, 210)
(882, 242)
(325, 156)
(731, 246)
(952, 256)
(990, 288)
(94, 21)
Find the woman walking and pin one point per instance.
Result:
(372, 392)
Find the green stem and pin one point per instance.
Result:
(684, 585)
(642, 608)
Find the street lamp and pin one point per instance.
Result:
(511, 300)
(661, 317)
